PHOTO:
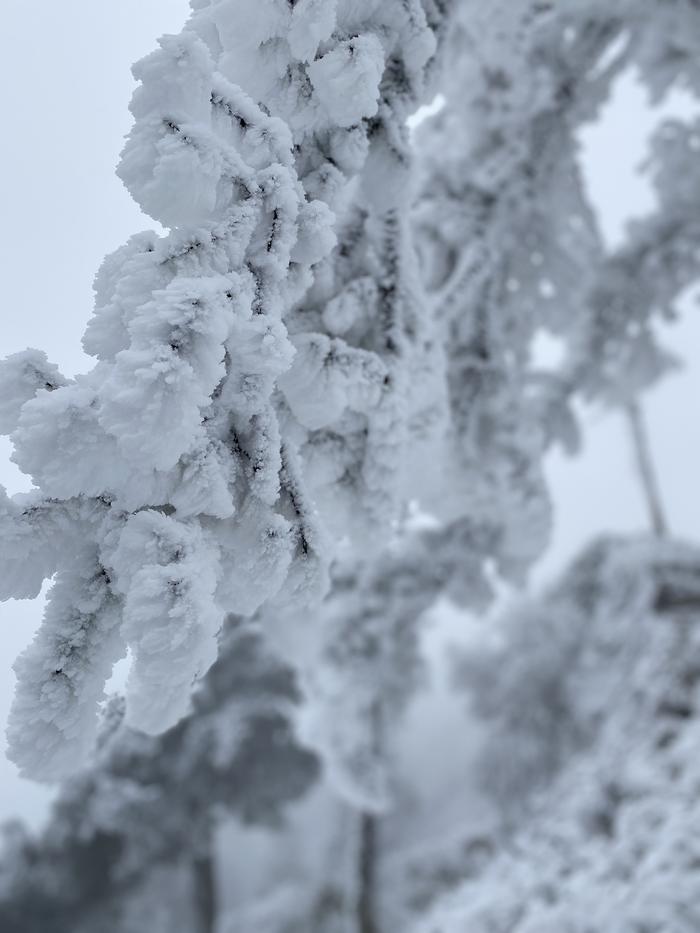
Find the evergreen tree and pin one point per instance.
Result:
(340, 322)
(592, 701)
(136, 830)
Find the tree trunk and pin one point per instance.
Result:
(204, 885)
(645, 467)
(368, 852)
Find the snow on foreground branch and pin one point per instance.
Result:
(251, 391)
(263, 408)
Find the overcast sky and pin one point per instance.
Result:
(66, 80)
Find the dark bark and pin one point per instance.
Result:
(645, 467)
(204, 891)
(368, 857)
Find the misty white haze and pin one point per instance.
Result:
(67, 89)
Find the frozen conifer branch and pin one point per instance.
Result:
(232, 419)
(617, 353)
(592, 714)
(174, 431)
(369, 661)
(274, 387)
(509, 245)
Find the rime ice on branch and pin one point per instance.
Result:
(251, 388)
